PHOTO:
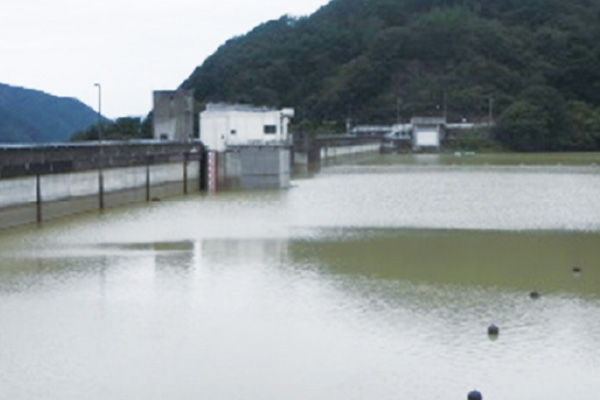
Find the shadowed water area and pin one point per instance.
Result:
(375, 279)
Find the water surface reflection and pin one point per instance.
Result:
(363, 282)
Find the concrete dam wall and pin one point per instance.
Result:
(39, 183)
(254, 167)
(310, 153)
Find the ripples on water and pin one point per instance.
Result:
(362, 282)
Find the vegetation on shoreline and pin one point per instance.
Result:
(125, 128)
(532, 65)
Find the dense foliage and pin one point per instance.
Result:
(534, 65)
(125, 128)
(28, 116)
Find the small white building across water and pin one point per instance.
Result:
(427, 132)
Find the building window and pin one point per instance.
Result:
(233, 132)
(270, 129)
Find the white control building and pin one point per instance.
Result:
(223, 126)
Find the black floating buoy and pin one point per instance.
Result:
(474, 395)
(534, 294)
(493, 330)
(576, 270)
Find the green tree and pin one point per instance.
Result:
(586, 126)
(523, 127)
(125, 128)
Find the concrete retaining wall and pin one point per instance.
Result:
(40, 198)
(309, 158)
(32, 189)
(254, 167)
(17, 160)
(328, 152)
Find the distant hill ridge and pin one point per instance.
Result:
(533, 64)
(32, 116)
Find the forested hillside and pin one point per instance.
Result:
(29, 116)
(535, 62)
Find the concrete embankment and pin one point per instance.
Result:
(311, 151)
(333, 152)
(39, 183)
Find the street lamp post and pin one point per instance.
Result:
(99, 111)
(100, 150)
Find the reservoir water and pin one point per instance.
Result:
(373, 279)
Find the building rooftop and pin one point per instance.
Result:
(427, 121)
(237, 107)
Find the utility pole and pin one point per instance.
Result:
(445, 105)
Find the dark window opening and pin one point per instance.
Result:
(270, 129)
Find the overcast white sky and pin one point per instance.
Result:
(131, 47)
